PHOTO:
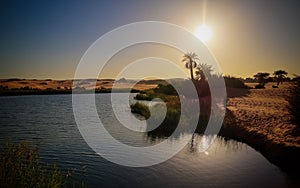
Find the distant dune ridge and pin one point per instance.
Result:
(68, 84)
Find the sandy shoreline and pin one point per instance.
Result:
(261, 119)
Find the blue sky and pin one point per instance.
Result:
(46, 39)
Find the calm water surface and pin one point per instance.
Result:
(48, 120)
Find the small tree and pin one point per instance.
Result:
(190, 62)
(280, 75)
(262, 78)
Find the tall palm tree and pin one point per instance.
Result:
(280, 75)
(190, 59)
(203, 71)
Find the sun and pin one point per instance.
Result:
(203, 33)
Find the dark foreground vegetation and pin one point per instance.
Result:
(295, 102)
(21, 167)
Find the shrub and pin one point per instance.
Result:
(141, 109)
(262, 78)
(21, 167)
(166, 89)
(259, 86)
(234, 82)
(142, 96)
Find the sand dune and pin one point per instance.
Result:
(265, 112)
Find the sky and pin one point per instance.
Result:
(46, 39)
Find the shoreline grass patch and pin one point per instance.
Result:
(141, 109)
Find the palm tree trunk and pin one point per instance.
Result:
(191, 69)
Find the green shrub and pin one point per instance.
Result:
(165, 89)
(141, 109)
(145, 97)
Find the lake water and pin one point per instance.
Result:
(48, 120)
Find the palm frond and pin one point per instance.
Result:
(187, 65)
(189, 56)
(185, 59)
(194, 64)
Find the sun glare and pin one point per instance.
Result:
(203, 33)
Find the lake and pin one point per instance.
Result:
(48, 120)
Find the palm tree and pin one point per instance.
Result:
(262, 78)
(190, 59)
(203, 71)
(280, 75)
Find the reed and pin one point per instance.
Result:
(21, 167)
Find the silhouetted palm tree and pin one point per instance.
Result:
(280, 75)
(203, 71)
(190, 62)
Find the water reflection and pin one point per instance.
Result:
(198, 142)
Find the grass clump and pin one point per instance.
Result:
(21, 167)
(141, 109)
(167, 89)
(161, 91)
(143, 97)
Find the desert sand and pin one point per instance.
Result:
(265, 111)
(260, 118)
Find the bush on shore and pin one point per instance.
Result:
(141, 109)
(143, 97)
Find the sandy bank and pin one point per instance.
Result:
(261, 119)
